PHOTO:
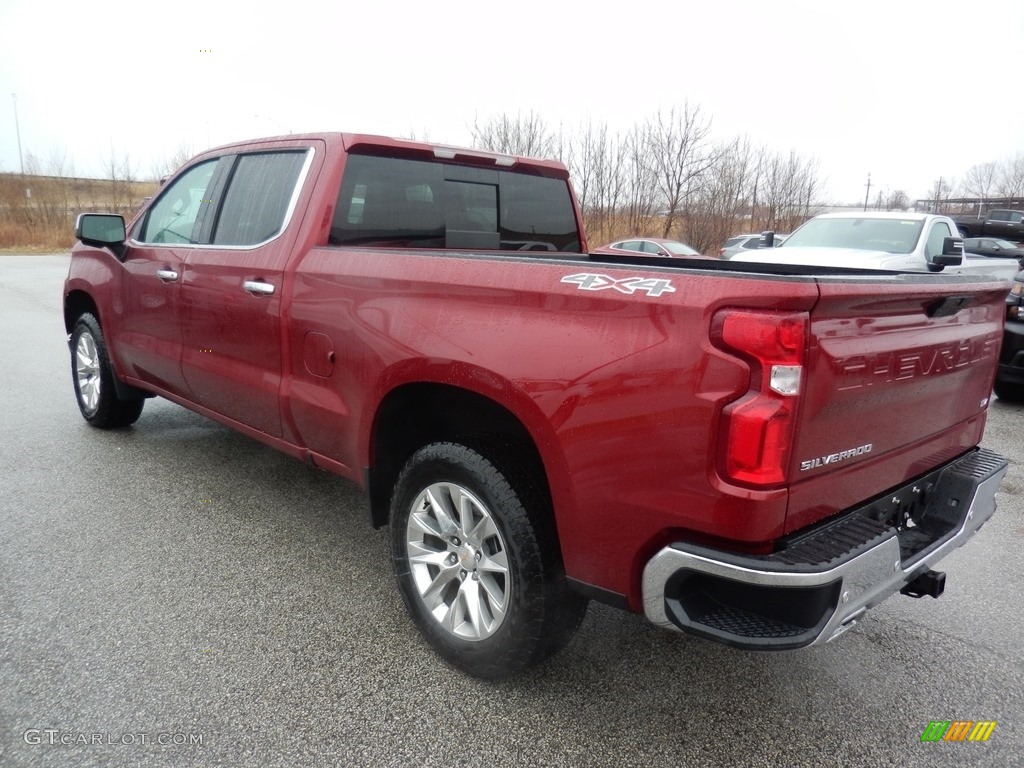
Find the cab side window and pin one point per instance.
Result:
(174, 216)
(939, 232)
(258, 196)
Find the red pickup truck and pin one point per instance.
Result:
(751, 453)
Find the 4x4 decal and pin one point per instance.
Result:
(630, 285)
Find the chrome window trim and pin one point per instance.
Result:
(292, 204)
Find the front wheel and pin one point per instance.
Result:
(477, 562)
(93, 377)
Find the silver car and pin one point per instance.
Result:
(739, 243)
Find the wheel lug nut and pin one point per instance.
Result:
(462, 575)
(476, 576)
(455, 541)
(478, 556)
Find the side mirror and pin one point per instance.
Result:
(101, 230)
(767, 240)
(952, 254)
(953, 246)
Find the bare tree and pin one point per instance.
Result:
(898, 200)
(678, 152)
(55, 203)
(122, 174)
(1011, 177)
(170, 163)
(639, 196)
(980, 179)
(790, 184)
(942, 190)
(596, 159)
(720, 202)
(525, 135)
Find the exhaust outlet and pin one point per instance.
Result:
(928, 583)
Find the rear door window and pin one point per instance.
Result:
(258, 197)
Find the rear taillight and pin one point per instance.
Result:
(757, 428)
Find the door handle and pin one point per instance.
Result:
(258, 287)
(167, 275)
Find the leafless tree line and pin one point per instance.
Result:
(994, 179)
(667, 176)
(38, 207)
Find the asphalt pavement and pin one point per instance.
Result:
(175, 594)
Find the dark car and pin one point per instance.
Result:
(651, 246)
(991, 246)
(1010, 376)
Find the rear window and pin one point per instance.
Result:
(419, 204)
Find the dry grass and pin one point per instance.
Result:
(37, 213)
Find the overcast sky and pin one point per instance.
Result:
(907, 91)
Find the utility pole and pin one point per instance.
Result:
(17, 130)
(868, 192)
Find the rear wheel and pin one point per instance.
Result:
(477, 562)
(94, 379)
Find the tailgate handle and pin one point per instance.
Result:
(948, 306)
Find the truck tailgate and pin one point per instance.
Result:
(898, 379)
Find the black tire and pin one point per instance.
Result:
(539, 614)
(964, 231)
(1011, 393)
(93, 379)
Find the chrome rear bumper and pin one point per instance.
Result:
(820, 585)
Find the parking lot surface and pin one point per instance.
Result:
(177, 594)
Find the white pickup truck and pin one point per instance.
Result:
(905, 242)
